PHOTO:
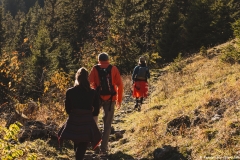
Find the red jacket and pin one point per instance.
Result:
(116, 81)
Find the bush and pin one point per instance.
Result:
(178, 64)
(203, 51)
(230, 54)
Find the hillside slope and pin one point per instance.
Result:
(194, 110)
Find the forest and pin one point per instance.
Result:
(43, 42)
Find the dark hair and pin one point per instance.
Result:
(142, 61)
(81, 79)
(103, 56)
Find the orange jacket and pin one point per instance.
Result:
(116, 81)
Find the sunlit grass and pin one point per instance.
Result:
(173, 94)
(179, 94)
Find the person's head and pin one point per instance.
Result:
(142, 60)
(81, 78)
(103, 57)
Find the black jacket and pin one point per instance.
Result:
(78, 98)
(80, 125)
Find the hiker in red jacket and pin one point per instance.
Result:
(81, 104)
(107, 100)
(140, 84)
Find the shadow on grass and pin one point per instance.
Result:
(120, 156)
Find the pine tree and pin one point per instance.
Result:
(1, 32)
(121, 39)
(169, 41)
(33, 19)
(51, 17)
(61, 57)
(13, 6)
(9, 26)
(3, 79)
(40, 63)
(198, 26)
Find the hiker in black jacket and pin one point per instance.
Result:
(140, 84)
(81, 104)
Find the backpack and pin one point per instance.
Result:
(141, 75)
(105, 87)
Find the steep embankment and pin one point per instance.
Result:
(193, 112)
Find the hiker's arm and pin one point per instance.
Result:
(134, 74)
(118, 82)
(148, 73)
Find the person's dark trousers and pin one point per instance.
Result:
(141, 100)
(80, 150)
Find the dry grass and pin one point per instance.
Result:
(201, 81)
(180, 93)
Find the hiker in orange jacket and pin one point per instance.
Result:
(107, 102)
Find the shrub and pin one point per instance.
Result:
(230, 54)
(9, 145)
(203, 51)
(178, 64)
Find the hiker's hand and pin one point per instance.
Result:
(118, 104)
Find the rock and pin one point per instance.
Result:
(30, 111)
(118, 135)
(37, 130)
(199, 120)
(167, 153)
(216, 117)
(178, 125)
(13, 117)
(214, 103)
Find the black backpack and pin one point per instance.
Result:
(141, 75)
(105, 87)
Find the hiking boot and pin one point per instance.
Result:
(97, 150)
(136, 106)
(139, 108)
(103, 154)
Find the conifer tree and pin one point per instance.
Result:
(3, 79)
(9, 27)
(1, 32)
(221, 23)
(169, 41)
(198, 26)
(121, 39)
(40, 63)
(13, 6)
(71, 26)
(19, 40)
(33, 19)
(61, 57)
(51, 18)
(151, 19)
